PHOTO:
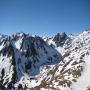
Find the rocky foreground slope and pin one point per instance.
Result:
(61, 62)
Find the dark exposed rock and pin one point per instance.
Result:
(60, 38)
(2, 87)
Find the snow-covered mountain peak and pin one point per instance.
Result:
(60, 38)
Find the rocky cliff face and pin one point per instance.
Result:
(60, 38)
(33, 62)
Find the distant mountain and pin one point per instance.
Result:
(43, 63)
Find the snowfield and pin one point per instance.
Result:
(83, 83)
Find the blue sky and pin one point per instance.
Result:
(44, 17)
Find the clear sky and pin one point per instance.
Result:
(44, 17)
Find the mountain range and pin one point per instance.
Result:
(30, 62)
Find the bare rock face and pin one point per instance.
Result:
(60, 38)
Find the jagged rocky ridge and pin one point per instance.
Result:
(33, 62)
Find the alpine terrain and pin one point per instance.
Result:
(61, 62)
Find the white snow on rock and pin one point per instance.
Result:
(61, 62)
(83, 83)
